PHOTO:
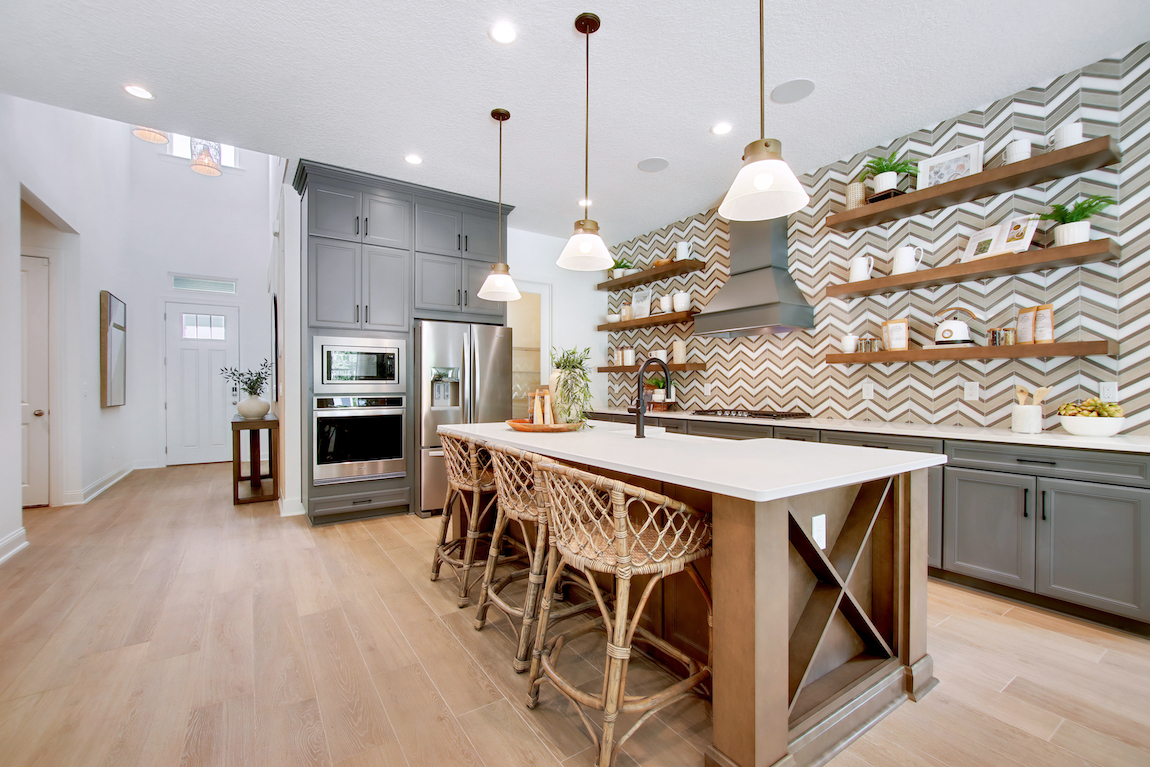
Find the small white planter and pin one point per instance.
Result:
(617, 273)
(884, 182)
(1072, 234)
(253, 408)
(1085, 426)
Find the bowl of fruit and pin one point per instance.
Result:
(1092, 418)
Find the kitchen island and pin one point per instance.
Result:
(818, 634)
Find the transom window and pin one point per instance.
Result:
(204, 327)
(181, 146)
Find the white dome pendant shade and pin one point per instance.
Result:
(765, 188)
(151, 135)
(585, 251)
(499, 286)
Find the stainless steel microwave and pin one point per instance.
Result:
(359, 365)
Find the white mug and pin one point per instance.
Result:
(906, 259)
(665, 303)
(628, 357)
(682, 251)
(1066, 135)
(861, 267)
(660, 354)
(1018, 150)
(682, 302)
(849, 343)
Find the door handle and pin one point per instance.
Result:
(1032, 460)
(366, 307)
(1043, 505)
(357, 224)
(465, 242)
(1025, 501)
(365, 500)
(37, 413)
(365, 228)
(457, 294)
(458, 246)
(465, 298)
(357, 312)
(435, 453)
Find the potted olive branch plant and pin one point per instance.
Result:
(1074, 223)
(252, 383)
(570, 384)
(885, 172)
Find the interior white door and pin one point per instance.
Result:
(34, 417)
(201, 339)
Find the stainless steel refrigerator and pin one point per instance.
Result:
(463, 376)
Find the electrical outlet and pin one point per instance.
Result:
(868, 389)
(1108, 391)
(970, 391)
(819, 530)
(707, 389)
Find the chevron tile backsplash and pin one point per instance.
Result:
(1109, 300)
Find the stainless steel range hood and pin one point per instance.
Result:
(760, 296)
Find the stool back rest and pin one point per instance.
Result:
(515, 480)
(592, 516)
(467, 460)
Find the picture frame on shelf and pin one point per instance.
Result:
(896, 335)
(1018, 232)
(950, 166)
(984, 243)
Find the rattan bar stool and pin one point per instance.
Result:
(522, 499)
(602, 525)
(469, 476)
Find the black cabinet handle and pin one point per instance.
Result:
(1025, 501)
(1043, 505)
(357, 503)
(1032, 460)
(366, 307)
(457, 242)
(465, 298)
(365, 226)
(357, 224)
(457, 294)
(465, 242)
(357, 312)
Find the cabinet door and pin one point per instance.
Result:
(333, 212)
(385, 286)
(387, 220)
(726, 430)
(1094, 545)
(437, 283)
(474, 273)
(333, 284)
(933, 516)
(988, 521)
(480, 236)
(438, 230)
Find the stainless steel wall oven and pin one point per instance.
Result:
(359, 438)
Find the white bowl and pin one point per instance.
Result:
(1086, 426)
(612, 318)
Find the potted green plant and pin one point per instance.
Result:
(619, 268)
(570, 384)
(1074, 223)
(252, 383)
(885, 172)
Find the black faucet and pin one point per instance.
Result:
(640, 403)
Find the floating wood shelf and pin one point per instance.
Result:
(1065, 349)
(995, 266)
(635, 368)
(672, 318)
(673, 269)
(1059, 163)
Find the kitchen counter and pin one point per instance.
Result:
(813, 640)
(1120, 444)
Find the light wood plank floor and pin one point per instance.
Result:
(160, 625)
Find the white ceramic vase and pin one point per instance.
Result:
(1072, 234)
(884, 182)
(253, 408)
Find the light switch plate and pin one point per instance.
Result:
(970, 390)
(1108, 391)
(819, 530)
(868, 389)
(707, 389)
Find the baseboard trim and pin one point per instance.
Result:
(292, 507)
(102, 484)
(146, 465)
(11, 543)
(72, 498)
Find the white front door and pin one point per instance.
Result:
(34, 379)
(201, 339)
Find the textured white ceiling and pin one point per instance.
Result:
(361, 83)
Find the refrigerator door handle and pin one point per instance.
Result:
(435, 453)
(468, 392)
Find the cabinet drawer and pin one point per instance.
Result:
(795, 433)
(728, 430)
(1095, 466)
(886, 441)
(673, 425)
(353, 502)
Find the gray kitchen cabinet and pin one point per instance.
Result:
(333, 283)
(438, 283)
(387, 220)
(934, 482)
(480, 236)
(1093, 546)
(674, 425)
(797, 434)
(438, 229)
(384, 291)
(990, 526)
(474, 274)
(333, 211)
(725, 430)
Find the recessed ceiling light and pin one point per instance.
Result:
(792, 91)
(414, 159)
(721, 129)
(653, 164)
(585, 203)
(502, 32)
(138, 92)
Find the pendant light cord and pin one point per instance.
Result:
(499, 222)
(762, 77)
(587, 123)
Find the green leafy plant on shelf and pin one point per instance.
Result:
(570, 383)
(622, 263)
(878, 165)
(657, 382)
(1082, 210)
(251, 382)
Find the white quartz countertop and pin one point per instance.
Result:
(1121, 444)
(754, 470)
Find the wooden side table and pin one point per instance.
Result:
(255, 476)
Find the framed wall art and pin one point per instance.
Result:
(950, 166)
(113, 350)
(896, 335)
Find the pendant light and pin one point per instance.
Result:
(499, 286)
(586, 251)
(151, 135)
(766, 187)
(206, 157)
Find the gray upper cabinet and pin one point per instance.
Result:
(387, 220)
(333, 284)
(474, 274)
(480, 236)
(438, 283)
(1094, 546)
(333, 211)
(386, 276)
(438, 229)
(989, 526)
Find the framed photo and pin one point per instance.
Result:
(896, 335)
(985, 243)
(950, 166)
(1018, 232)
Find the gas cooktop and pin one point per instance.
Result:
(744, 413)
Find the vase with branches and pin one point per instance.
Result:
(570, 384)
(1073, 223)
(252, 383)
